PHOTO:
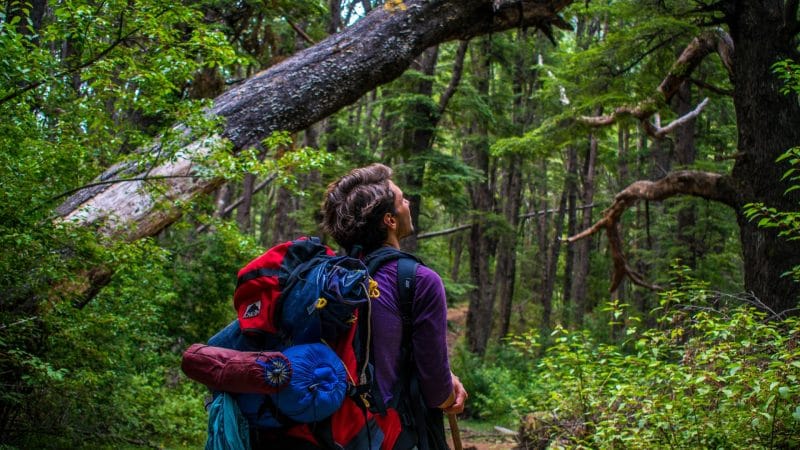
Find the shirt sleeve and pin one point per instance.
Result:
(429, 337)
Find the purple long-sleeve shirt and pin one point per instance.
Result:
(428, 338)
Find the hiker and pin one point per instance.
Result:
(365, 212)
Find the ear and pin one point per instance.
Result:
(390, 221)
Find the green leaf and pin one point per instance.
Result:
(792, 188)
(784, 392)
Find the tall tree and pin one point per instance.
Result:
(761, 33)
(475, 151)
(524, 84)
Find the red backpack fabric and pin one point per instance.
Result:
(260, 283)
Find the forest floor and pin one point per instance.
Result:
(474, 435)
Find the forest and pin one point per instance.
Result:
(609, 189)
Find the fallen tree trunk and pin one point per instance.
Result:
(294, 94)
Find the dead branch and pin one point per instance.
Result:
(680, 72)
(444, 232)
(524, 216)
(297, 92)
(657, 132)
(300, 32)
(708, 185)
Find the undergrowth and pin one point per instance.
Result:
(715, 373)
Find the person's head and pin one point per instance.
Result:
(366, 208)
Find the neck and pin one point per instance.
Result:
(392, 241)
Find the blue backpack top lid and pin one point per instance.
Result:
(321, 302)
(318, 385)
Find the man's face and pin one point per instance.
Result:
(402, 213)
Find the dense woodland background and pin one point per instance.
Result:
(148, 150)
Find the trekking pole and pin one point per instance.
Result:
(454, 431)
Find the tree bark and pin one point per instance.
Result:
(285, 228)
(301, 90)
(568, 309)
(767, 123)
(525, 81)
(482, 244)
(707, 185)
(506, 269)
(424, 119)
(684, 156)
(551, 269)
(224, 196)
(243, 211)
(580, 289)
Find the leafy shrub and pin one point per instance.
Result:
(496, 385)
(106, 373)
(709, 377)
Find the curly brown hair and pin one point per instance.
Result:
(354, 206)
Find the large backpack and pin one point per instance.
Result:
(299, 294)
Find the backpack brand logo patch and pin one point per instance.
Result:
(252, 310)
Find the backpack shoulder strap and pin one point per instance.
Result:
(406, 281)
(383, 255)
(406, 287)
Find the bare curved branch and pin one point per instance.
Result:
(659, 132)
(642, 111)
(700, 47)
(708, 185)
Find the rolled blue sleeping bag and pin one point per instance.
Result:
(318, 384)
(316, 389)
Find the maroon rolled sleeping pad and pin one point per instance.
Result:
(223, 369)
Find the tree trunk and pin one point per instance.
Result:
(539, 275)
(568, 310)
(767, 123)
(299, 91)
(482, 245)
(243, 211)
(424, 119)
(580, 289)
(551, 269)
(506, 269)
(370, 137)
(266, 236)
(224, 196)
(285, 228)
(335, 9)
(456, 250)
(684, 156)
(525, 81)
